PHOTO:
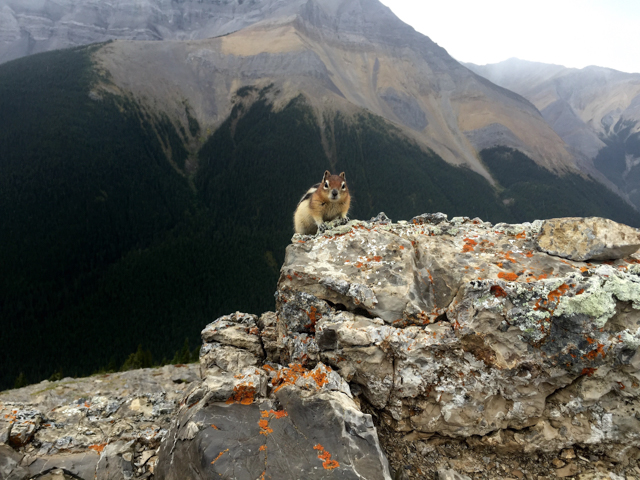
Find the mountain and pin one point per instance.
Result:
(595, 110)
(147, 187)
(354, 50)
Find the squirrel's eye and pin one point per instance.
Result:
(344, 185)
(326, 184)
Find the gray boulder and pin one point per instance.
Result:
(583, 239)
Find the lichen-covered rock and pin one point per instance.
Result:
(592, 238)
(306, 426)
(466, 329)
(103, 427)
(239, 330)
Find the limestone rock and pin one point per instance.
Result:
(98, 427)
(592, 238)
(465, 329)
(10, 468)
(308, 426)
(237, 330)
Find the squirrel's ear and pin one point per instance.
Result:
(327, 174)
(342, 176)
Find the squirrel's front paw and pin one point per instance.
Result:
(345, 220)
(322, 228)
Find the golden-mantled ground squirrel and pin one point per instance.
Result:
(323, 202)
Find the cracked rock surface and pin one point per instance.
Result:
(465, 329)
(251, 419)
(101, 427)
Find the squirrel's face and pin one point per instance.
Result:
(334, 186)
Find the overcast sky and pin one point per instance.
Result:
(573, 33)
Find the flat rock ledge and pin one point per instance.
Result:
(435, 348)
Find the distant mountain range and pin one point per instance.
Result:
(147, 184)
(595, 110)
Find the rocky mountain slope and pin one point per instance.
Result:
(595, 110)
(430, 349)
(343, 54)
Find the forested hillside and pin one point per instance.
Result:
(107, 242)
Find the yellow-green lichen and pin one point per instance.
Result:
(599, 299)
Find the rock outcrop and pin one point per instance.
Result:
(453, 348)
(465, 329)
(592, 238)
(250, 419)
(105, 427)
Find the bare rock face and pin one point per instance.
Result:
(592, 238)
(104, 427)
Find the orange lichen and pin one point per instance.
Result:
(498, 291)
(588, 371)
(555, 295)
(325, 456)
(264, 425)
(314, 316)
(289, 376)
(214, 427)
(521, 235)
(262, 448)
(319, 377)
(98, 447)
(243, 394)
(377, 258)
(621, 385)
(593, 354)
(219, 455)
(469, 245)
(509, 276)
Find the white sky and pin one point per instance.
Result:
(573, 33)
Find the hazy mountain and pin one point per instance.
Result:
(595, 110)
(147, 187)
(342, 52)
(32, 26)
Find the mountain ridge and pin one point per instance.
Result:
(398, 74)
(595, 110)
